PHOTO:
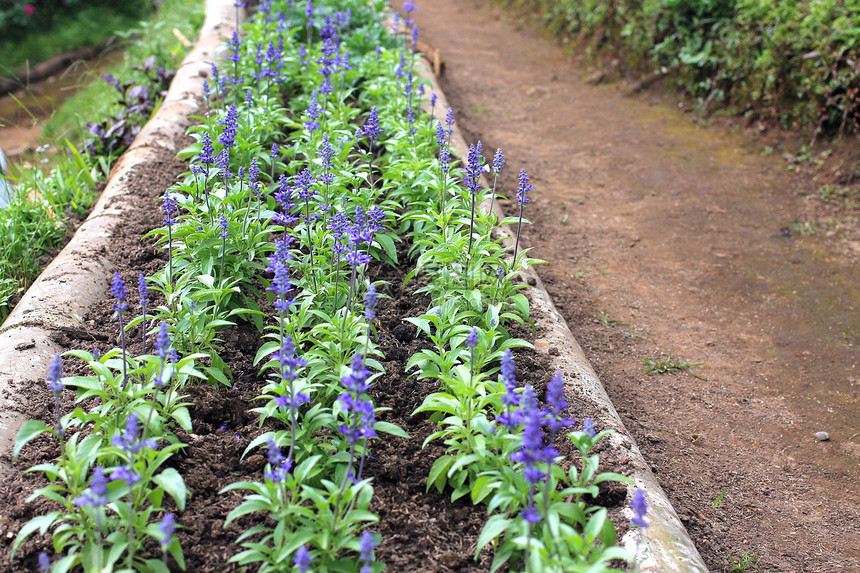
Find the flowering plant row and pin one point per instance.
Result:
(313, 160)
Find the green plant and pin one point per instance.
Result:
(741, 561)
(717, 504)
(668, 365)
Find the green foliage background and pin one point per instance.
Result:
(795, 61)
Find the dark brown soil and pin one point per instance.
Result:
(422, 531)
(664, 235)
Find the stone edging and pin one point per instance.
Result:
(78, 277)
(665, 545)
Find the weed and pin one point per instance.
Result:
(803, 228)
(718, 503)
(603, 317)
(669, 365)
(740, 561)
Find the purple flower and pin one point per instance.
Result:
(230, 121)
(361, 411)
(281, 286)
(433, 98)
(143, 289)
(234, 45)
(444, 158)
(555, 405)
(512, 416)
(365, 547)
(303, 557)
(532, 452)
(289, 361)
(588, 427)
(168, 205)
(162, 342)
(223, 161)
(473, 167)
(303, 55)
(167, 527)
(96, 495)
(530, 514)
(304, 184)
(44, 562)
(326, 153)
(498, 161)
(370, 302)
(472, 338)
(280, 466)
(449, 120)
(130, 441)
(55, 375)
(313, 114)
(371, 126)
(224, 225)
(117, 290)
(640, 506)
(126, 474)
(523, 188)
(207, 153)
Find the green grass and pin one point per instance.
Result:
(153, 37)
(33, 225)
(89, 26)
(669, 365)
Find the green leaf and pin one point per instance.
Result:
(494, 527)
(183, 418)
(392, 429)
(387, 243)
(41, 523)
(172, 483)
(30, 430)
(439, 472)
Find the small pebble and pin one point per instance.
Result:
(822, 436)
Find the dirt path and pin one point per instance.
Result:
(679, 236)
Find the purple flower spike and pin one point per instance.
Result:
(498, 161)
(588, 427)
(96, 495)
(640, 506)
(512, 416)
(162, 342)
(55, 375)
(143, 289)
(117, 290)
(370, 302)
(472, 339)
(224, 225)
(533, 453)
(130, 441)
(167, 527)
(523, 188)
(230, 121)
(556, 404)
(44, 562)
(303, 557)
(371, 126)
(280, 466)
(365, 551)
(168, 205)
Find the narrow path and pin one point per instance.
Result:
(676, 234)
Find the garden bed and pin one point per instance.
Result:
(421, 530)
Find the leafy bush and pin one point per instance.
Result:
(795, 62)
